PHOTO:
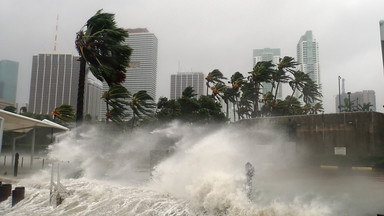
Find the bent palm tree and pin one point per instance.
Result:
(237, 80)
(64, 112)
(141, 104)
(116, 99)
(287, 64)
(297, 83)
(214, 77)
(188, 92)
(100, 44)
(260, 73)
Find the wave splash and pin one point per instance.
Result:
(202, 174)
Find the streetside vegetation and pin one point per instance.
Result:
(189, 109)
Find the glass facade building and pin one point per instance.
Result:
(9, 71)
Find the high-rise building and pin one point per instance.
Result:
(54, 81)
(8, 80)
(267, 54)
(180, 81)
(308, 56)
(142, 72)
(92, 96)
(382, 38)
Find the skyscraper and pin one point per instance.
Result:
(267, 54)
(92, 96)
(142, 72)
(8, 80)
(382, 39)
(180, 81)
(54, 82)
(308, 56)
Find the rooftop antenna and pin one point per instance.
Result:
(178, 67)
(57, 28)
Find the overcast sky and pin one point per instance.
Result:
(202, 35)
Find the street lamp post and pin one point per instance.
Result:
(339, 95)
(349, 101)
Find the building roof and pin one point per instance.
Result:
(18, 123)
(137, 30)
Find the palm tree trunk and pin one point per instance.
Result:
(275, 96)
(234, 110)
(107, 118)
(290, 99)
(256, 101)
(227, 109)
(133, 120)
(80, 93)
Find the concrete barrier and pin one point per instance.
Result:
(5, 191)
(18, 195)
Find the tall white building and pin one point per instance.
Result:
(180, 81)
(308, 56)
(268, 54)
(142, 72)
(92, 96)
(54, 81)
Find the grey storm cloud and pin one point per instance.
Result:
(204, 35)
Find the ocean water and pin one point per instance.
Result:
(201, 173)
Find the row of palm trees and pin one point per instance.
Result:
(249, 101)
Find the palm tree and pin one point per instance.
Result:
(214, 77)
(217, 90)
(142, 105)
(100, 44)
(297, 83)
(318, 107)
(310, 92)
(116, 99)
(23, 109)
(64, 112)
(237, 80)
(188, 92)
(229, 95)
(287, 64)
(364, 107)
(260, 73)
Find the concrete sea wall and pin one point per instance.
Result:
(357, 134)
